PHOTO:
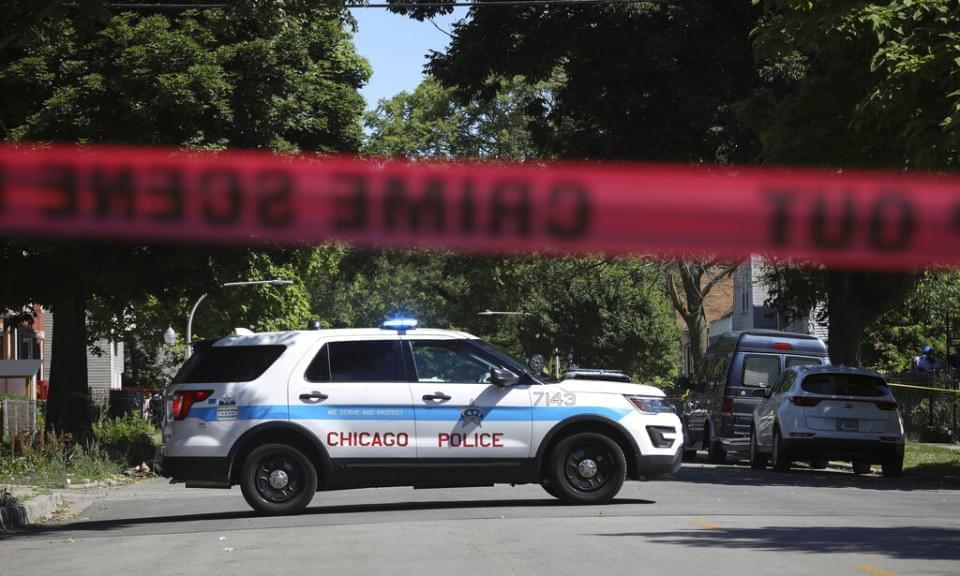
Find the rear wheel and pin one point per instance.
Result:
(892, 467)
(779, 459)
(586, 468)
(278, 479)
(758, 461)
(861, 467)
(715, 452)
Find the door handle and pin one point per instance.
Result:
(436, 396)
(313, 397)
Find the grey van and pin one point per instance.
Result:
(733, 375)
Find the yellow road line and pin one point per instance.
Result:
(705, 524)
(873, 571)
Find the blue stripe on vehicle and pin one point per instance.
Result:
(426, 413)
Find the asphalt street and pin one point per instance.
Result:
(706, 520)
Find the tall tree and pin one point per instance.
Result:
(857, 84)
(277, 75)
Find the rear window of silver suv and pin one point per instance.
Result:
(844, 385)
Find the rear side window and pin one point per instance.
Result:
(803, 361)
(365, 361)
(228, 364)
(844, 385)
(760, 371)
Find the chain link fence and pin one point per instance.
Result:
(18, 417)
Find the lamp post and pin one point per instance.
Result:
(274, 282)
(503, 313)
(169, 336)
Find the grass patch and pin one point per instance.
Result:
(50, 461)
(931, 461)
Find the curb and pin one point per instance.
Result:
(29, 512)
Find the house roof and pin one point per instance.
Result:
(19, 368)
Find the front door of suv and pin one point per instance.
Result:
(469, 431)
(354, 396)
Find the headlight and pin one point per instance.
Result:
(649, 405)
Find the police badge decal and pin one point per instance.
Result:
(472, 414)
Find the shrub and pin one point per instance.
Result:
(128, 440)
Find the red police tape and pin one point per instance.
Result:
(853, 219)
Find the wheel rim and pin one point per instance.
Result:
(588, 468)
(279, 478)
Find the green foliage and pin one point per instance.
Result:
(898, 336)
(860, 83)
(243, 77)
(53, 462)
(932, 426)
(648, 81)
(128, 440)
(429, 123)
(606, 313)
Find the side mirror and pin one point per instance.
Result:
(502, 378)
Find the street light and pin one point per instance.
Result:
(503, 313)
(274, 282)
(169, 336)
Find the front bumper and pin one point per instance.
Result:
(655, 466)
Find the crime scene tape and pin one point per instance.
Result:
(866, 220)
(947, 390)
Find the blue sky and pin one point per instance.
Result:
(396, 47)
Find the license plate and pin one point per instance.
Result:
(847, 425)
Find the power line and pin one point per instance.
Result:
(454, 4)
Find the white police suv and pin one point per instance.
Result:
(285, 414)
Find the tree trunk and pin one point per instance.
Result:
(68, 403)
(854, 301)
(697, 329)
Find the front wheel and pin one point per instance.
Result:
(278, 479)
(779, 459)
(758, 461)
(586, 468)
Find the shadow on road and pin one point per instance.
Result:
(98, 525)
(914, 543)
(743, 475)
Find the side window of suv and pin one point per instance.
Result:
(449, 361)
(363, 361)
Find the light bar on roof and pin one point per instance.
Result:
(400, 324)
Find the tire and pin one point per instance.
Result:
(586, 468)
(861, 467)
(548, 488)
(892, 467)
(715, 452)
(282, 464)
(758, 461)
(779, 459)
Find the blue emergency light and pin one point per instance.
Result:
(401, 325)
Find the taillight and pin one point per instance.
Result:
(804, 401)
(727, 406)
(184, 399)
(886, 405)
